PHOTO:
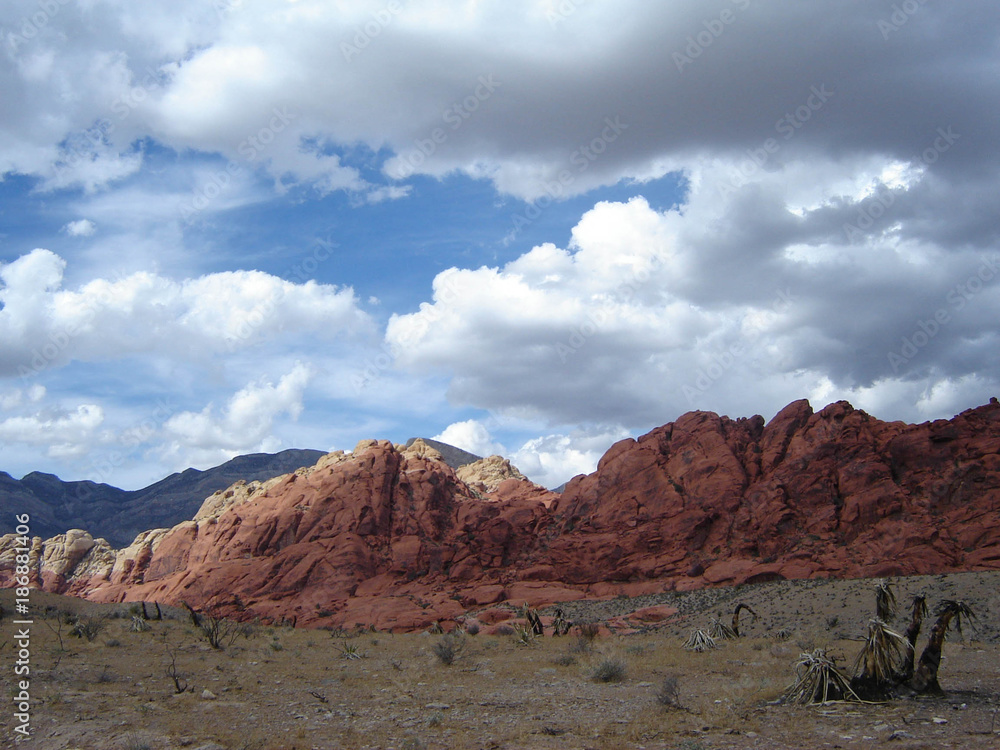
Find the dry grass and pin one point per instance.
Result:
(497, 694)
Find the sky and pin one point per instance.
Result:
(527, 227)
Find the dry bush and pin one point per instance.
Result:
(609, 669)
(88, 627)
(220, 632)
(448, 648)
(669, 694)
(589, 630)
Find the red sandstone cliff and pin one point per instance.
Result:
(394, 538)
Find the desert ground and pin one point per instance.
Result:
(271, 688)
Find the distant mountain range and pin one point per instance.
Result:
(118, 515)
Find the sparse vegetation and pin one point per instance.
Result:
(700, 641)
(179, 680)
(88, 627)
(818, 681)
(220, 632)
(351, 651)
(878, 666)
(669, 694)
(448, 648)
(609, 669)
(138, 625)
(497, 692)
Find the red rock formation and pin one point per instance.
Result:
(394, 538)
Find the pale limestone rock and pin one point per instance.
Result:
(486, 474)
(137, 553)
(419, 449)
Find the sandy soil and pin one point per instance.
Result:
(279, 688)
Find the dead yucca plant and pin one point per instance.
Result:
(948, 612)
(885, 601)
(700, 641)
(524, 635)
(736, 617)
(918, 611)
(720, 631)
(880, 663)
(818, 681)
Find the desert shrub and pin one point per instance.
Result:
(179, 680)
(138, 625)
(504, 630)
(523, 635)
(580, 646)
(564, 660)
(88, 627)
(351, 651)
(220, 632)
(589, 630)
(669, 694)
(448, 648)
(112, 643)
(472, 627)
(609, 669)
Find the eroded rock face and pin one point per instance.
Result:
(395, 538)
(60, 564)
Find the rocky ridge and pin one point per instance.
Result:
(393, 536)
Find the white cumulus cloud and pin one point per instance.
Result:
(472, 436)
(43, 325)
(80, 228)
(243, 425)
